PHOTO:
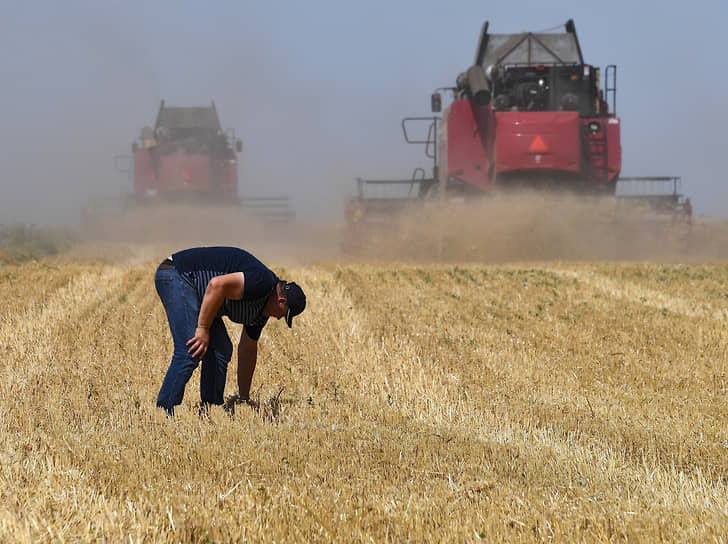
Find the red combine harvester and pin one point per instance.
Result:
(528, 113)
(187, 158)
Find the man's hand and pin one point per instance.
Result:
(236, 399)
(199, 342)
(218, 289)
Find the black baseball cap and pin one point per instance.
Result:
(296, 300)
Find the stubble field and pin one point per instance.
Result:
(454, 396)
(412, 402)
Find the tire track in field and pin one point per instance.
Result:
(645, 296)
(337, 323)
(428, 406)
(375, 369)
(48, 413)
(29, 286)
(40, 342)
(394, 367)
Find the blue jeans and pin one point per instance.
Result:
(182, 307)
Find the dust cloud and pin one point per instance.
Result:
(531, 226)
(85, 79)
(510, 227)
(146, 233)
(310, 122)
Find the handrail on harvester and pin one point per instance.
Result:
(649, 185)
(269, 208)
(660, 193)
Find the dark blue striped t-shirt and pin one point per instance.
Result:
(199, 265)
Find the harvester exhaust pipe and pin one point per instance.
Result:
(482, 45)
(475, 78)
(478, 85)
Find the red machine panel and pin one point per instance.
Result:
(614, 148)
(225, 176)
(546, 141)
(184, 173)
(145, 180)
(470, 159)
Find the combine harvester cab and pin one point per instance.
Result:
(530, 112)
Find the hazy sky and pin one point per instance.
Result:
(316, 89)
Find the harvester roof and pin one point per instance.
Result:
(529, 48)
(173, 118)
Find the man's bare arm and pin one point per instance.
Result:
(247, 358)
(229, 286)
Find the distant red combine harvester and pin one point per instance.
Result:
(186, 157)
(528, 113)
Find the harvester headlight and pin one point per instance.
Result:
(595, 127)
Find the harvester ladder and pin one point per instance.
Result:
(598, 155)
(610, 87)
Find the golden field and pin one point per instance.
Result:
(411, 402)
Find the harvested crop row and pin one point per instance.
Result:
(411, 402)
